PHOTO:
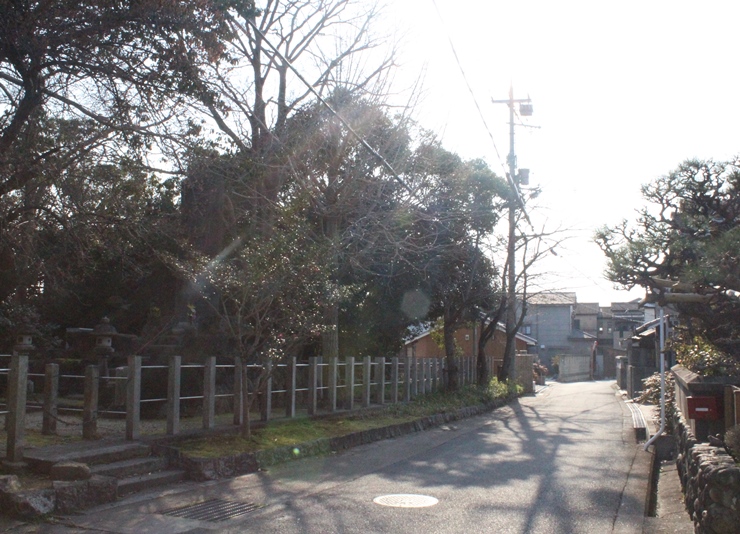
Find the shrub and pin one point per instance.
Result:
(703, 358)
(501, 390)
(539, 370)
(651, 394)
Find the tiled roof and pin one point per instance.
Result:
(552, 299)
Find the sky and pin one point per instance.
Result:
(622, 92)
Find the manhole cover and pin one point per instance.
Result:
(213, 510)
(405, 501)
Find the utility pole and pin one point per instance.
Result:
(525, 109)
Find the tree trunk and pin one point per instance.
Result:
(330, 337)
(507, 369)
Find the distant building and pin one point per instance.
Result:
(552, 320)
(562, 325)
(423, 346)
(626, 318)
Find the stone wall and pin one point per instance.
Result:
(574, 368)
(711, 484)
(524, 373)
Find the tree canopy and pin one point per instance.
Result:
(686, 241)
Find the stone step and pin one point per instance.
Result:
(131, 467)
(41, 460)
(136, 483)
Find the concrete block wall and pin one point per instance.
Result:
(574, 368)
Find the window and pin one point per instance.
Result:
(527, 330)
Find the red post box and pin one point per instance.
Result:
(704, 407)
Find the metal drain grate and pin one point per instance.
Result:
(213, 510)
(404, 500)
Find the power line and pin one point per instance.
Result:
(509, 179)
(467, 84)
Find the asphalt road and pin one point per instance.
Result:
(558, 462)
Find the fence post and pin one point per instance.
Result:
(51, 399)
(407, 379)
(380, 380)
(350, 380)
(209, 393)
(312, 390)
(238, 392)
(333, 362)
(415, 376)
(394, 380)
(366, 382)
(90, 407)
(173, 395)
(133, 398)
(428, 375)
(267, 399)
(16, 417)
(290, 387)
(433, 377)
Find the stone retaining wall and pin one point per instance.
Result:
(711, 484)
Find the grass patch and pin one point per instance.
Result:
(34, 438)
(299, 430)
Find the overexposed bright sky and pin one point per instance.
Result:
(622, 93)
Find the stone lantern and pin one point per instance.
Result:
(104, 333)
(24, 339)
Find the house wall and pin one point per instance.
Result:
(587, 316)
(551, 326)
(425, 347)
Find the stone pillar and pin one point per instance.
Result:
(407, 379)
(238, 392)
(174, 378)
(394, 380)
(380, 380)
(16, 417)
(290, 372)
(350, 380)
(366, 382)
(51, 399)
(90, 407)
(133, 398)
(209, 393)
(312, 383)
(267, 399)
(333, 362)
(415, 377)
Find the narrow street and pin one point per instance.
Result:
(557, 462)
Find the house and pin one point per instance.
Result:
(643, 354)
(424, 346)
(626, 318)
(551, 319)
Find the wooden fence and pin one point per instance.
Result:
(313, 387)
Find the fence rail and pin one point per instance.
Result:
(316, 386)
